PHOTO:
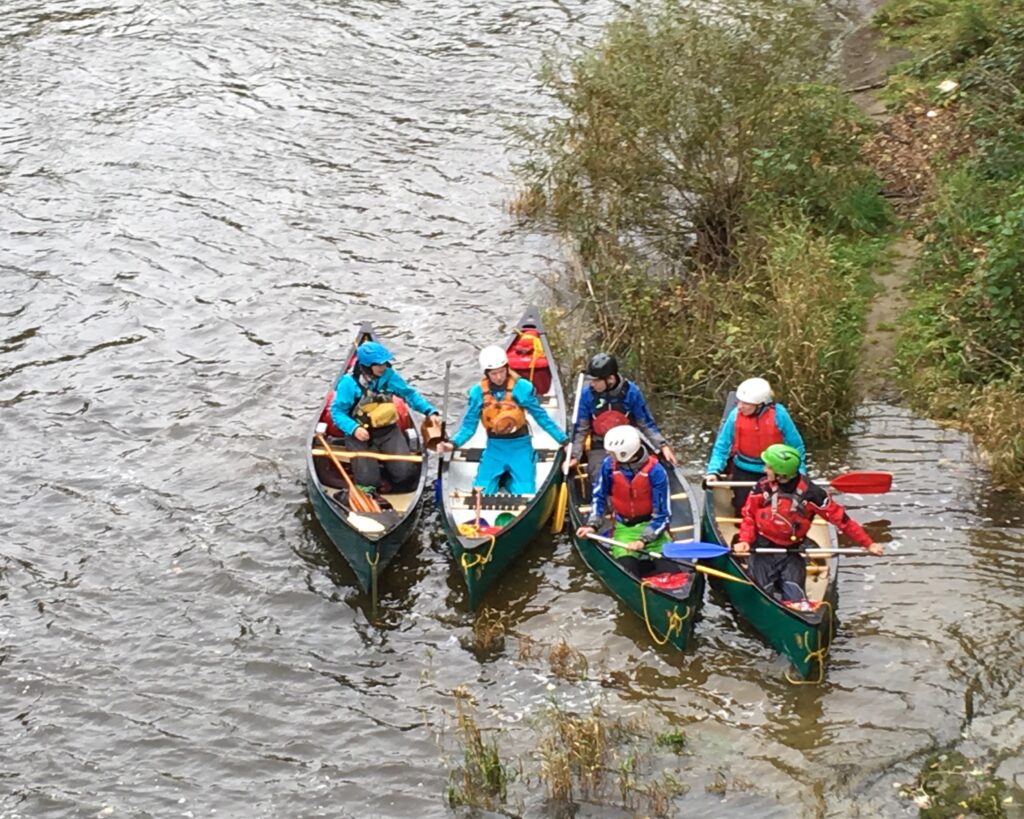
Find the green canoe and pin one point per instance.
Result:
(668, 614)
(512, 520)
(367, 541)
(804, 637)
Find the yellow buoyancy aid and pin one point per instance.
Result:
(376, 410)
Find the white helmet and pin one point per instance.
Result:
(493, 357)
(754, 391)
(623, 442)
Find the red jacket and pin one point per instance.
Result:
(782, 513)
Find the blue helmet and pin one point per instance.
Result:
(370, 353)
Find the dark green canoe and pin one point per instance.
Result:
(803, 637)
(668, 614)
(367, 541)
(512, 520)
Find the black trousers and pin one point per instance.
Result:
(389, 440)
(782, 576)
(739, 493)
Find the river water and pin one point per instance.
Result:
(198, 204)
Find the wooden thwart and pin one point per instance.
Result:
(345, 454)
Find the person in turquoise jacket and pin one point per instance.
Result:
(501, 401)
(754, 424)
(365, 413)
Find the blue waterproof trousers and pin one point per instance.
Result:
(508, 462)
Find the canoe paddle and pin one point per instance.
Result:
(665, 552)
(357, 499)
(859, 483)
(444, 430)
(558, 520)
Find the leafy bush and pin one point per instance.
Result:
(711, 191)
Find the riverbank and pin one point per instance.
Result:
(957, 119)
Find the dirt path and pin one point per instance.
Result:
(864, 62)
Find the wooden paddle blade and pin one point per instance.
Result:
(693, 550)
(863, 483)
(558, 519)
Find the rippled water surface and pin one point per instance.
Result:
(198, 203)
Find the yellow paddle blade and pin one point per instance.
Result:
(723, 575)
(558, 519)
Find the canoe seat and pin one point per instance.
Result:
(474, 454)
(502, 503)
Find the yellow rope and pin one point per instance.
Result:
(819, 653)
(675, 622)
(477, 560)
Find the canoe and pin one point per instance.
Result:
(804, 637)
(485, 540)
(367, 540)
(668, 613)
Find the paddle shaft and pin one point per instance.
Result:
(814, 552)
(704, 569)
(444, 412)
(866, 483)
(563, 491)
(357, 498)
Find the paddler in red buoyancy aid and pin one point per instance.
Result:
(501, 401)
(609, 401)
(364, 411)
(638, 488)
(753, 425)
(779, 512)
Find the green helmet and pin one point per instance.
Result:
(783, 459)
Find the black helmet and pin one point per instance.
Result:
(602, 365)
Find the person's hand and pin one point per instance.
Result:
(445, 446)
(361, 434)
(876, 549)
(741, 547)
(669, 455)
(635, 545)
(573, 462)
(583, 531)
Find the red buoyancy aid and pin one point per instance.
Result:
(325, 418)
(753, 434)
(527, 351)
(785, 518)
(526, 357)
(633, 499)
(502, 418)
(610, 411)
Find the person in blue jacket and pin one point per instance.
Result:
(364, 411)
(500, 402)
(606, 402)
(754, 424)
(635, 487)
